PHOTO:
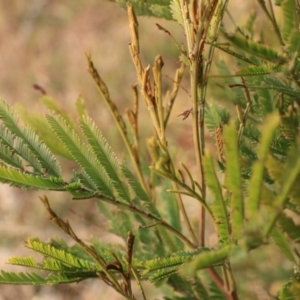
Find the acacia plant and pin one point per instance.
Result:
(249, 189)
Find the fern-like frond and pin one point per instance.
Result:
(290, 176)
(26, 139)
(282, 243)
(176, 11)
(82, 154)
(214, 116)
(21, 278)
(227, 50)
(171, 207)
(191, 288)
(256, 182)
(62, 256)
(153, 8)
(9, 157)
(290, 18)
(251, 22)
(161, 11)
(162, 267)
(48, 264)
(257, 50)
(34, 279)
(26, 180)
(26, 153)
(141, 195)
(22, 261)
(259, 70)
(207, 259)
(294, 47)
(217, 206)
(40, 125)
(288, 225)
(105, 155)
(234, 180)
(285, 90)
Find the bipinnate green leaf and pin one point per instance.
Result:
(176, 11)
(8, 157)
(139, 193)
(93, 173)
(26, 180)
(215, 116)
(31, 278)
(40, 125)
(152, 8)
(291, 173)
(290, 18)
(287, 225)
(233, 180)
(189, 288)
(62, 256)
(207, 259)
(26, 143)
(257, 178)
(283, 244)
(255, 49)
(233, 54)
(162, 267)
(105, 156)
(218, 208)
(259, 70)
(21, 278)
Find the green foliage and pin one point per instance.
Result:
(248, 188)
(153, 8)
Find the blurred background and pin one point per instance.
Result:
(43, 42)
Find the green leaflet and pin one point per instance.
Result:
(259, 70)
(285, 293)
(234, 181)
(21, 278)
(62, 266)
(294, 45)
(290, 175)
(25, 180)
(171, 208)
(82, 154)
(288, 226)
(207, 259)
(34, 279)
(283, 89)
(162, 267)
(258, 50)
(176, 11)
(154, 8)
(232, 53)
(251, 22)
(282, 243)
(215, 116)
(42, 128)
(256, 180)
(217, 206)
(60, 255)
(26, 143)
(105, 156)
(290, 17)
(8, 157)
